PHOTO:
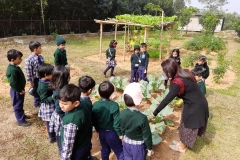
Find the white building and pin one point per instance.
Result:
(194, 25)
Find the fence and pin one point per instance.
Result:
(11, 27)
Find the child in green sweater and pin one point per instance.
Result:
(198, 73)
(47, 103)
(60, 56)
(137, 140)
(17, 83)
(105, 119)
(75, 138)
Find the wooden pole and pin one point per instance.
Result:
(101, 30)
(145, 35)
(161, 37)
(115, 31)
(124, 52)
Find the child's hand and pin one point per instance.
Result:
(150, 152)
(120, 137)
(32, 84)
(21, 93)
(145, 71)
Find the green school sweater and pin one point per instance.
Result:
(111, 55)
(134, 60)
(202, 87)
(44, 92)
(135, 126)
(105, 115)
(60, 57)
(144, 57)
(16, 78)
(80, 117)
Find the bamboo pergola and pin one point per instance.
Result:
(127, 24)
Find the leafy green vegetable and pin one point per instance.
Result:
(156, 139)
(166, 111)
(161, 127)
(5, 79)
(95, 92)
(146, 88)
(168, 122)
(121, 103)
(119, 83)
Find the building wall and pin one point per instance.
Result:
(194, 25)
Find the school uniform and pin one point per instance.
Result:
(55, 123)
(60, 57)
(202, 87)
(206, 68)
(135, 60)
(105, 119)
(31, 68)
(47, 104)
(137, 134)
(17, 83)
(89, 106)
(111, 63)
(75, 134)
(143, 65)
(177, 59)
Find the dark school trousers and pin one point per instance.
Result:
(109, 139)
(82, 153)
(134, 76)
(132, 152)
(17, 102)
(36, 96)
(141, 74)
(51, 135)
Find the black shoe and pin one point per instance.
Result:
(93, 158)
(27, 117)
(112, 75)
(52, 140)
(24, 124)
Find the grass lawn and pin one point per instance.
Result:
(223, 132)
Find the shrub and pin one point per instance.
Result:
(221, 68)
(190, 59)
(208, 42)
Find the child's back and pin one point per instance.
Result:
(105, 119)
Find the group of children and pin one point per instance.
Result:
(200, 71)
(139, 63)
(69, 113)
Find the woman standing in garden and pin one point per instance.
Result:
(195, 112)
(110, 56)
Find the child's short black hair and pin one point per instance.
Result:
(202, 58)
(143, 45)
(198, 71)
(105, 89)
(70, 92)
(13, 54)
(85, 83)
(128, 100)
(34, 45)
(45, 70)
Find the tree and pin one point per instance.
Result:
(236, 26)
(209, 22)
(185, 15)
(229, 19)
(178, 5)
(152, 7)
(214, 5)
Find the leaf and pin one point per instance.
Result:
(156, 139)
(169, 123)
(162, 87)
(161, 127)
(152, 127)
(159, 98)
(147, 112)
(153, 107)
(156, 120)
(166, 111)
(5, 79)
(111, 79)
